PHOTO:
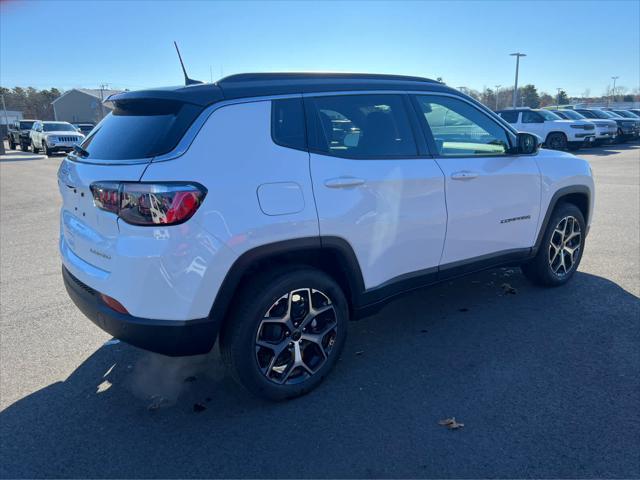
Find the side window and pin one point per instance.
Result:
(531, 117)
(287, 123)
(459, 128)
(510, 117)
(361, 126)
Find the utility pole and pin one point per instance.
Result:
(102, 89)
(497, 92)
(515, 88)
(614, 88)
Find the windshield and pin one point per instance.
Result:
(573, 115)
(26, 125)
(622, 113)
(139, 129)
(601, 114)
(548, 115)
(612, 114)
(58, 127)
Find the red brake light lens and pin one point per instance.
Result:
(149, 203)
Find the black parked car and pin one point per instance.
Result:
(627, 128)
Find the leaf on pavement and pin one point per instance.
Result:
(451, 423)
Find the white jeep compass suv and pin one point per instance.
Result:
(265, 210)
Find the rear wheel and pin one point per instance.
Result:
(24, 146)
(561, 249)
(556, 141)
(12, 144)
(285, 333)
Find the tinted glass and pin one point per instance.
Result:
(140, 129)
(561, 115)
(570, 114)
(58, 127)
(588, 114)
(625, 114)
(458, 128)
(362, 126)
(611, 114)
(531, 117)
(287, 123)
(547, 115)
(25, 125)
(511, 117)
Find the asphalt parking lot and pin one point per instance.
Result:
(546, 381)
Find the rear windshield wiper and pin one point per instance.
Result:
(80, 151)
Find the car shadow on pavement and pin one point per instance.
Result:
(606, 150)
(546, 382)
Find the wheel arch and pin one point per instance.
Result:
(578, 195)
(555, 131)
(332, 255)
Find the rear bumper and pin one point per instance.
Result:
(168, 337)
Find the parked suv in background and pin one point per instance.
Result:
(606, 130)
(52, 137)
(18, 134)
(627, 128)
(266, 210)
(84, 128)
(555, 132)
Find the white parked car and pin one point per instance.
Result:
(53, 137)
(606, 130)
(555, 132)
(266, 210)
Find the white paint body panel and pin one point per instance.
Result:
(502, 188)
(394, 215)
(395, 221)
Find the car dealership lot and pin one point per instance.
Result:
(546, 381)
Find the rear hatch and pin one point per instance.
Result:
(118, 149)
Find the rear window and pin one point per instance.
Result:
(140, 129)
(58, 127)
(26, 125)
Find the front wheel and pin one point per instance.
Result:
(557, 141)
(45, 148)
(561, 249)
(285, 332)
(34, 148)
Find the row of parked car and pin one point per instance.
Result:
(47, 136)
(573, 128)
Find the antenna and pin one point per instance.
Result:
(187, 80)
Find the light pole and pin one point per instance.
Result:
(497, 91)
(515, 88)
(614, 87)
(559, 89)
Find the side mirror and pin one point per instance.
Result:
(528, 143)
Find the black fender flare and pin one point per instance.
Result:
(557, 197)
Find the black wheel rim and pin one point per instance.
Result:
(296, 336)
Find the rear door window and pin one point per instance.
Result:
(360, 126)
(138, 129)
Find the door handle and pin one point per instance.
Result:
(343, 182)
(464, 175)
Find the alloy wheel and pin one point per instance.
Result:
(564, 246)
(296, 336)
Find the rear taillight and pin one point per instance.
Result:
(149, 203)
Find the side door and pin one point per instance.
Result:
(493, 197)
(533, 122)
(376, 187)
(34, 133)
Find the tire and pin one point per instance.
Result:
(45, 148)
(249, 340)
(12, 144)
(556, 141)
(24, 147)
(34, 148)
(546, 268)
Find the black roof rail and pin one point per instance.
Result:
(284, 76)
